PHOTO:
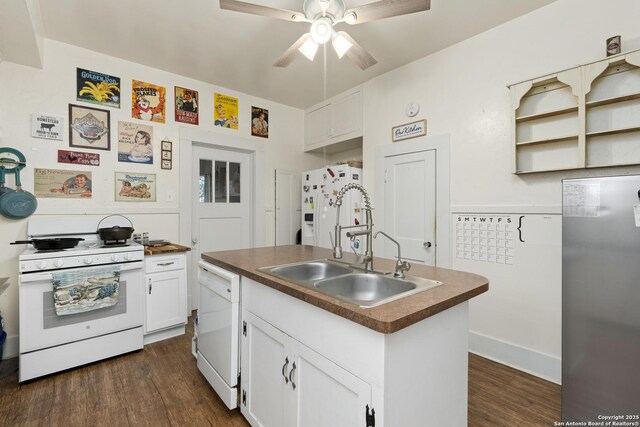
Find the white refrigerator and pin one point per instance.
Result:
(320, 188)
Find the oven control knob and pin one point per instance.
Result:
(41, 265)
(128, 257)
(59, 263)
(115, 258)
(88, 260)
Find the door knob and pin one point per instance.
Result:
(426, 245)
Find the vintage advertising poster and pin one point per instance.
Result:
(89, 127)
(63, 184)
(148, 101)
(225, 111)
(186, 106)
(78, 158)
(135, 187)
(260, 122)
(97, 88)
(46, 127)
(135, 143)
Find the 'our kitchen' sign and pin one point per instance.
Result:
(409, 130)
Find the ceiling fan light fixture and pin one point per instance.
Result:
(340, 44)
(309, 48)
(321, 30)
(350, 18)
(324, 4)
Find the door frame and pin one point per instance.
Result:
(190, 137)
(439, 143)
(296, 212)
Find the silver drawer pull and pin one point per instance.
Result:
(293, 369)
(284, 368)
(164, 264)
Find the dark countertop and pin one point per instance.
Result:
(387, 318)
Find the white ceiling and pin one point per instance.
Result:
(195, 38)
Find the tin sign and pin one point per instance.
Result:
(46, 127)
(409, 130)
(78, 158)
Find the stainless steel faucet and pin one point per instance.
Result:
(401, 266)
(367, 259)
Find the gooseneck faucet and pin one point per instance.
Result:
(367, 259)
(401, 266)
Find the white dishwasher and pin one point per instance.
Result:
(218, 330)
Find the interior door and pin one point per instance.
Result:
(410, 206)
(288, 207)
(221, 203)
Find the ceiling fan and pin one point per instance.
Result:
(323, 15)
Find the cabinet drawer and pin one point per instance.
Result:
(157, 263)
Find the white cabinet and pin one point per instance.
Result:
(584, 117)
(285, 383)
(165, 296)
(343, 371)
(335, 124)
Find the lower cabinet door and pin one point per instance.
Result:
(164, 300)
(265, 366)
(326, 394)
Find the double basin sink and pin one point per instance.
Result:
(341, 281)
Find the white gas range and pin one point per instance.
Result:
(81, 304)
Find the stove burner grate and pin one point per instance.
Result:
(114, 243)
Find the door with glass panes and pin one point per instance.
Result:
(221, 202)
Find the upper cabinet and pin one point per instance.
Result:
(336, 124)
(584, 117)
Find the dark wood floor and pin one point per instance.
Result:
(161, 386)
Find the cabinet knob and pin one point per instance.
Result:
(427, 245)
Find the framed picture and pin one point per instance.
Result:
(166, 155)
(62, 184)
(166, 164)
(186, 105)
(135, 187)
(97, 88)
(135, 143)
(225, 111)
(166, 145)
(260, 122)
(78, 158)
(148, 101)
(46, 127)
(409, 130)
(89, 127)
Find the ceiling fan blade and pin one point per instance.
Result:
(358, 54)
(256, 9)
(384, 9)
(290, 54)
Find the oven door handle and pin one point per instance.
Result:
(48, 276)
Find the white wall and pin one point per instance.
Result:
(49, 90)
(462, 91)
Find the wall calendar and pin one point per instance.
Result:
(486, 238)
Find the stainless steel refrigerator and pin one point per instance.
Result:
(601, 298)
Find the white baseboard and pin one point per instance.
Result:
(11, 347)
(521, 358)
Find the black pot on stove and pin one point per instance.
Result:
(115, 233)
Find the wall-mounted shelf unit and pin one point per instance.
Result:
(584, 117)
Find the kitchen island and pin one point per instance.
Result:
(309, 359)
